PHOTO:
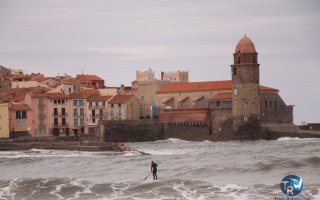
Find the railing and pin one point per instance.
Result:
(60, 114)
(59, 125)
(96, 115)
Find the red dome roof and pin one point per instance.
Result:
(245, 45)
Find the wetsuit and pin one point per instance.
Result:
(154, 170)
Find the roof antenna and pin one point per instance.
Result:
(82, 71)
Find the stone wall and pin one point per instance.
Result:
(183, 116)
(274, 109)
(130, 130)
(195, 132)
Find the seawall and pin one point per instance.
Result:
(152, 130)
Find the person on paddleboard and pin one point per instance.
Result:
(154, 170)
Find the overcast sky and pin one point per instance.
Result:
(115, 38)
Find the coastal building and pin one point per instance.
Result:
(79, 108)
(20, 116)
(122, 107)
(146, 87)
(4, 120)
(59, 111)
(92, 81)
(41, 114)
(240, 103)
(97, 107)
(5, 82)
(177, 76)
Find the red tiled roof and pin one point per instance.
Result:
(85, 94)
(22, 77)
(88, 78)
(222, 96)
(20, 107)
(99, 98)
(57, 95)
(265, 88)
(121, 98)
(201, 86)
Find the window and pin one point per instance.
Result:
(75, 112)
(103, 104)
(75, 122)
(80, 102)
(97, 103)
(24, 115)
(69, 89)
(55, 121)
(75, 102)
(55, 101)
(265, 104)
(18, 124)
(62, 100)
(234, 71)
(93, 113)
(270, 104)
(120, 112)
(112, 114)
(18, 115)
(63, 111)
(93, 120)
(90, 104)
(112, 106)
(63, 121)
(24, 124)
(81, 121)
(81, 111)
(55, 111)
(218, 103)
(101, 112)
(119, 105)
(59, 101)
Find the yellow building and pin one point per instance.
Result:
(123, 107)
(4, 120)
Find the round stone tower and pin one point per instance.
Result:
(245, 88)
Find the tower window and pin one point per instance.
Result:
(234, 71)
(265, 104)
(238, 60)
(218, 103)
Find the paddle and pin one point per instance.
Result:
(147, 176)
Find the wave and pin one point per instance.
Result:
(65, 188)
(294, 139)
(40, 153)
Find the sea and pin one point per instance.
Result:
(186, 170)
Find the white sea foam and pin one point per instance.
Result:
(176, 140)
(294, 139)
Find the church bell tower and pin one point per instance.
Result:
(245, 88)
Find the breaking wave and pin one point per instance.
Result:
(64, 188)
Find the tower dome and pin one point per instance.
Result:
(245, 45)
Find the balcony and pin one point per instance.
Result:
(60, 125)
(59, 114)
(95, 116)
